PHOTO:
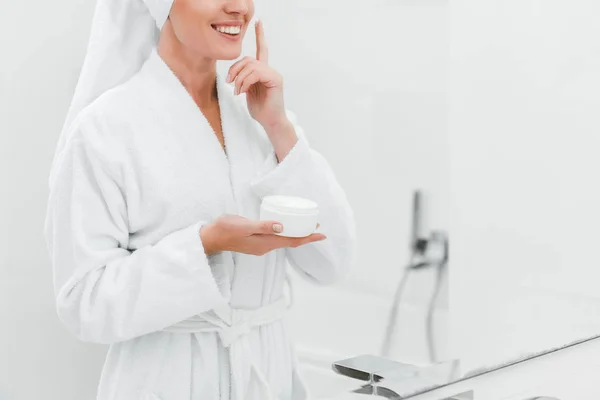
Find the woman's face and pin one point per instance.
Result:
(212, 28)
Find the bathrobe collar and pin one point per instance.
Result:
(241, 155)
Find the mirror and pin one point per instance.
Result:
(488, 110)
(521, 145)
(465, 131)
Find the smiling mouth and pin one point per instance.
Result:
(228, 30)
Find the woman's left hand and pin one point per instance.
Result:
(261, 83)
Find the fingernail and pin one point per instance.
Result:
(228, 78)
(277, 228)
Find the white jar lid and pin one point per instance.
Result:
(290, 204)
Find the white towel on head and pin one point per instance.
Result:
(122, 36)
(159, 9)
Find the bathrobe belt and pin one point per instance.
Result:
(233, 326)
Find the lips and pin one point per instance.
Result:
(229, 23)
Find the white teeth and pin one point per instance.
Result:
(232, 30)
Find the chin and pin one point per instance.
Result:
(229, 55)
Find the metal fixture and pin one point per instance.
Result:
(391, 379)
(432, 251)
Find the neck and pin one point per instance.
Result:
(196, 73)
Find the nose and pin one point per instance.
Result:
(237, 6)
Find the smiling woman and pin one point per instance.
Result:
(194, 24)
(154, 231)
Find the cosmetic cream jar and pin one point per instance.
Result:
(299, 216)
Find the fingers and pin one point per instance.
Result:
(253, 73)
(260, 244)
(250, 79)
(249, 71)
(262, 52)
(296, 242)
(267, 227)
(235, 69)
(246, 73)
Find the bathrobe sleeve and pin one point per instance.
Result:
(304, 172)
(106, 293)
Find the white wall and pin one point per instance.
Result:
(371, 97)
(524, 143)
(42, 48)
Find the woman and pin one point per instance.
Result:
(154, 200)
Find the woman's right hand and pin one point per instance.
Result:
(235, 233)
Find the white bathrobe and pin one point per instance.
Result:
(142, 172)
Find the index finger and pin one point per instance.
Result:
(262, 52)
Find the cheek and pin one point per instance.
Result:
(199, 37)
(198, 27)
